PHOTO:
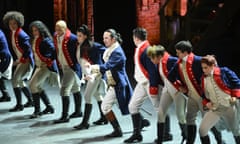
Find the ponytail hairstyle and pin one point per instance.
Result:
(115, 35)
(84, 30)
(87, 45)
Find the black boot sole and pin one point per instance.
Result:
(81, 126)
(47, 111)
(134, 139)
(114, 134)
(16, 108)
(61, 121)
(100, 122)
(5, 99)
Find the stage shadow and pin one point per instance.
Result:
(43, 123)
(18, 119)
(95, 139)
(87, 140)
(4, 111)
(58, 131)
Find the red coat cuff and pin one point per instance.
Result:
(204, 102)
(235, 93)
(49, 62)
(177, 84)
(23, 60)
(153, 90)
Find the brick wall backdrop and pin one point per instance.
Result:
(90, 20)
(147, 17)
(60, 10)
(146, 13)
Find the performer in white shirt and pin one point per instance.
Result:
(21, 51)
(46, 66)
(186, 75)
(170, 93)
(66, 46)
(90, 53)
(149, 85)
(120, 89)
(221, 97)
(6, 62)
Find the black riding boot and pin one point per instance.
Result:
(87, 112)
(18, 94)
(5, 96)
(36, 101)
(137, 123)
(117, 132)
(145, 122)
(218, 136)
(160, 133)
(191, 131)
(102, 119)
(205, 139)
(167, 135)
(78, 104)
(237, 139)
(65, 109)
(49, 108)
(28, 94)
(183, 128)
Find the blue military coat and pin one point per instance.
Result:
(116, 64)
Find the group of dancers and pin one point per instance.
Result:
(65, 59)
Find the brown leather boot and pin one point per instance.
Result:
(117, 132)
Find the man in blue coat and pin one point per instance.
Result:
(6, 62)
(149, 84)
(221, 96)
(120, 89)
(186, 75)
(66, 47)
(21, 51)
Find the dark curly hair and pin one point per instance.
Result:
(13, 15)
(42, 28)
